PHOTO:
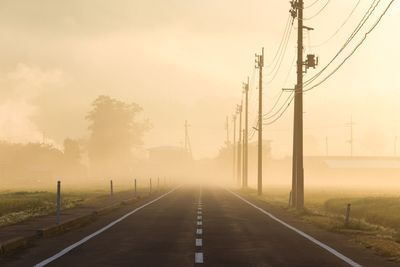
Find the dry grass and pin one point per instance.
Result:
(19, 206)
(374, 218)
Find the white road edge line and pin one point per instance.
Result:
(310, 238)
(87, 238)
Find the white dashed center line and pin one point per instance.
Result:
(199, 242)
(199, 256)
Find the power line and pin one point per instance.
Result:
(280, 115)
(354, 50)
(273, 72)
(319, 12)
(276, 103)
(312, 4)
(283, 105)
(353, 34)
(280, 44)
(340, 27)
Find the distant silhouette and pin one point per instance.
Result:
(114, 132)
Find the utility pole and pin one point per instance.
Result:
(351, 140)
(245, 134)
(239, 156)
(259, 66)
(311, 62)
(188, 147)
(326, 146)
(234, 147)
(227, 131)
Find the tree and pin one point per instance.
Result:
(114, 131)
(72, 151)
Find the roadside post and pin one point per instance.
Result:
(111, 188)
(135, 189)
(58, 214)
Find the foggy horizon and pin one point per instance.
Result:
(180, 63)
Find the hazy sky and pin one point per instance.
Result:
(186, 60)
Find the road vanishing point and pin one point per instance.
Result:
(197, 226)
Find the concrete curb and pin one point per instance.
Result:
(21, 242)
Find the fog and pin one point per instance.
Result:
(99, 90)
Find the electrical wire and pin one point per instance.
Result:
(276, 103)
(312, 4)
(279, 110)
(351, 37)
(280, 44)
(280, 115)
(281, 56)
(340, 27)
(319, 12)
(354, 50)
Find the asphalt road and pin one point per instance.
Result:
(192, 227)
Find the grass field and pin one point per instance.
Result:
(374, 217)
(19, 206)
(21, 203)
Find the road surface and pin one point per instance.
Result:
(193, 226)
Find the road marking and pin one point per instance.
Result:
(199, 242)
(310, 238)
(198, 257)
(108, 226)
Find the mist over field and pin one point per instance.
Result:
(93, 91)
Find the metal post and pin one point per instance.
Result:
(58, 202)
(135, 189)
(111, 188)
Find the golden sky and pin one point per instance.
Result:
(186, 60)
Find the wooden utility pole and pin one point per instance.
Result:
(259, 66)
(227, 131)
(245, 134)
(234, 148)
(188, 147)
(297, 168)
(239, 153)
(326, 146)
